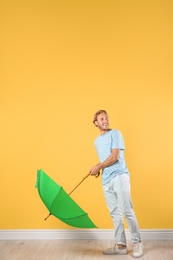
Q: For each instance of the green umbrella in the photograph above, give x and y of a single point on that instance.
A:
(60, 204)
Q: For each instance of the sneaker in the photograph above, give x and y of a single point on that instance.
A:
(137, 251)
(115, 251)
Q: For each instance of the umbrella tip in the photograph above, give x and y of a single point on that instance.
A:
(48, 216)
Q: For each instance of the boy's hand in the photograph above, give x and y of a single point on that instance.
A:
(95, 170)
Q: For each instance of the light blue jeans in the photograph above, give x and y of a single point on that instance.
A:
(118, 200)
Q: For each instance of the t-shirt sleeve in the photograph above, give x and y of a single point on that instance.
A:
(117, 140)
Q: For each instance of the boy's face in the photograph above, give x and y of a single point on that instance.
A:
(102, 122)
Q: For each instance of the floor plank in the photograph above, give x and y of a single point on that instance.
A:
(169, 247)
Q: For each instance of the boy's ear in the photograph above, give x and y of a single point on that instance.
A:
(96, 123)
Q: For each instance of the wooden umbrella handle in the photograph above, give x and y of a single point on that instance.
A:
(97, 175)
(80, 182)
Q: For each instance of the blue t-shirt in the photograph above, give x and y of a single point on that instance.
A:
(104, 145)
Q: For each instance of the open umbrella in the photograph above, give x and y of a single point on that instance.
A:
(60, 204)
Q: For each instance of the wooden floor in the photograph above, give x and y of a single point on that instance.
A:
(78, 250)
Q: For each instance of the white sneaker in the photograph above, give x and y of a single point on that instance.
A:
(115, 251)
(137, 251)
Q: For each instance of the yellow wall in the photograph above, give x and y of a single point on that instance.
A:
(61, 61)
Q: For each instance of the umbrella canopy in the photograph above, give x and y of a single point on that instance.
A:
(60, 204)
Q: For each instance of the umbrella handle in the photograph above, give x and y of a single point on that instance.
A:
(80, 182)
(97, 175)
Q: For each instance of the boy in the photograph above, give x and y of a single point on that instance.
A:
(116, 184)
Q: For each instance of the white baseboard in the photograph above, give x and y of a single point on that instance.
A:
(146, 234)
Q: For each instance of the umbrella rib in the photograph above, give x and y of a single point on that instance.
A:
(77, 216)
(52, 204)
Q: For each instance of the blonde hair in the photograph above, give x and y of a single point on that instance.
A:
(98, 113)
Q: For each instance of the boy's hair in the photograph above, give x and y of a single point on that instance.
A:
(98, 113)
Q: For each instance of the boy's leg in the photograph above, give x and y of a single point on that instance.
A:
(122, 187)
(115, 213)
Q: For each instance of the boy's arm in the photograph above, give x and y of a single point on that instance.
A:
(109, 161)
